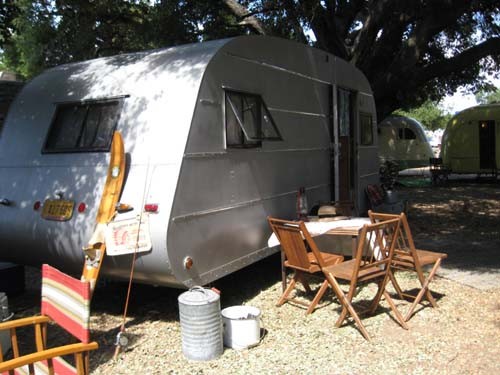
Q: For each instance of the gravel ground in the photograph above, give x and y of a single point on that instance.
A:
(462, 336)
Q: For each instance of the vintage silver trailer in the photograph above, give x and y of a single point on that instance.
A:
(218, 135)
(471, 141)
(402, 139)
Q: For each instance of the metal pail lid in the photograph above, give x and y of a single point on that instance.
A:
(198, 296)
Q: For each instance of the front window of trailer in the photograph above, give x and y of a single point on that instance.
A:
(83, 126)
(248, 121)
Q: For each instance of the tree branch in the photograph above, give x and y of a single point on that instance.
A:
(490, 47)
(294, 19)
(323, 26)
(366, 37)
(246, 17)
(402, 89)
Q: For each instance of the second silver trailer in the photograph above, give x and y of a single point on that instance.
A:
(218, 136)
(403, 140)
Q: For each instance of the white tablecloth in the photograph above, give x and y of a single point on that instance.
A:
(317, 228)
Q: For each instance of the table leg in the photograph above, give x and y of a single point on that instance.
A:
(354, 246)
(283, 272)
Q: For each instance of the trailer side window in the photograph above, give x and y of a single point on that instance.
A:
(86, 126)
(407, 133)
(248, 121)
(366, 129)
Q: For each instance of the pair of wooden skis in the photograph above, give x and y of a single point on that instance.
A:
(96, 248)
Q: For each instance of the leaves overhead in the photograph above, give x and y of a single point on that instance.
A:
(410, 51)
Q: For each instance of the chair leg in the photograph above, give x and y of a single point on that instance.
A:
(346, 306)
(424, 290)
(395, 310)
(378, 296)
(80, 363)
(287, 291)
(317, 297)
(428, 293)
(395, 284)
(283, 272)
(381, 291)
(302, 279)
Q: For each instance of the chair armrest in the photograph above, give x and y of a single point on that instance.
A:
(46, 354)
(32, 320)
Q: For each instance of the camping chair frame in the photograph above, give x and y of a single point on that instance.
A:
(408, 258)
(296, 241)
(65, 301)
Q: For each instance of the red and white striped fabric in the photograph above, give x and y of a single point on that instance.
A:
(66, 300)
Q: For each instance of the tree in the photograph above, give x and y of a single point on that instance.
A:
(488, 97)
(44, 33)
(429, 114)
(410, 51)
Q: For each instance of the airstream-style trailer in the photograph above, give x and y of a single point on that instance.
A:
(218, 136)
(402, 139)
(471, 141)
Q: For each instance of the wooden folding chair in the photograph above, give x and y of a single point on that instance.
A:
(65, 301)
(408, 258)
(303, 257)
(370, 265)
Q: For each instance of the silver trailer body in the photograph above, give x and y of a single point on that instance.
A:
(184, 114)
(403, 140)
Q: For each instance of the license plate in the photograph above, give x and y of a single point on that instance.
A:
(57, 209)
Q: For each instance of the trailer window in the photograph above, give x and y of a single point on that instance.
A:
(345, 111)
(79, 127)
(366, 129)
(407, 133)
(248, 121)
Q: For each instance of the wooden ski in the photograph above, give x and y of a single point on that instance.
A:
(96, 248)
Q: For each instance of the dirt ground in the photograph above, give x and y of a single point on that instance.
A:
(462, 336)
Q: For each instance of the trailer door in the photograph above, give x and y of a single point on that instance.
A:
(487, 158)
(346, 162)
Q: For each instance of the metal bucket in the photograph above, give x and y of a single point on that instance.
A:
(201, 324)
(241, 326)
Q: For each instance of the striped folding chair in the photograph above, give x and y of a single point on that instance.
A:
(66, 302)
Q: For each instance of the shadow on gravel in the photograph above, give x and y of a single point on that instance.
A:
(460, 219)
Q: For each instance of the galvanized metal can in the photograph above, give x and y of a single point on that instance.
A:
(5, 316)
(201, 324)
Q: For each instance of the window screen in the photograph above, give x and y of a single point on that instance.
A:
(248, 121)
(366, 129)
(78, 127)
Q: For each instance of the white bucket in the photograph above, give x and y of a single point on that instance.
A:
(241, 326)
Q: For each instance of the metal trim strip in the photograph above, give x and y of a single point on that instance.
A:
(240, 205)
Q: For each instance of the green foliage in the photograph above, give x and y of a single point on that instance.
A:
(488, 97)
(429, 114)
(44, 33)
